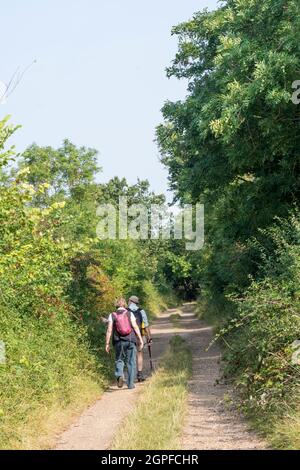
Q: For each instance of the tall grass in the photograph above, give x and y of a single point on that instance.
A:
(49, 368)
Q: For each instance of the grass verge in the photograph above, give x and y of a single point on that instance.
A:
(286, 433)
(50, 374)
(157, 421)
(175, 319)
(48, 419)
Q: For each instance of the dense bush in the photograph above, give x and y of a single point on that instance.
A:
(48, 363)
(266, 323)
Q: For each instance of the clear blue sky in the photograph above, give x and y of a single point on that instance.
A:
(99, 79)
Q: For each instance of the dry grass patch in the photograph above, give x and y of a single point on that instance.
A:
(40, 428)
(157, 421)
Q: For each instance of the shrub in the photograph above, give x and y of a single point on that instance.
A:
(265, 324)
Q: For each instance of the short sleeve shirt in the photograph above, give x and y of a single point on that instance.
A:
(110, 318)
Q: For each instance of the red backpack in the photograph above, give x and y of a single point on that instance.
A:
(122, 322)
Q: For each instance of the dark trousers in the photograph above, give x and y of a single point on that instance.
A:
(126, 353)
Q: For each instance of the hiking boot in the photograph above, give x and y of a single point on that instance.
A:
(120, 381)
(140, 377)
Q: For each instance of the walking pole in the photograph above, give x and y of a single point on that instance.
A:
(150, 357)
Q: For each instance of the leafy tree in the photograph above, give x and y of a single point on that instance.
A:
(233, 142)
(66, 170)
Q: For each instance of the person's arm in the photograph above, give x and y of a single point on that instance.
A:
(148, 333)
(137, 331)
(108, 336)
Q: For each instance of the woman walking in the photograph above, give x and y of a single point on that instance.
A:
(125, 333)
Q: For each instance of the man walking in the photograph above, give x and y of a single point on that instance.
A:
(123, 329)
(143, 324)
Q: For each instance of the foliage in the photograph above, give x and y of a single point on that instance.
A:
(267, 322)
(45, 359)
(58, 281)
(66, 170)
(44, 349)
(233, 144)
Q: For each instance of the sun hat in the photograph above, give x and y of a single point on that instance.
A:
(134, 299)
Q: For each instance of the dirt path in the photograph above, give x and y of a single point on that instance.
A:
(208, 424)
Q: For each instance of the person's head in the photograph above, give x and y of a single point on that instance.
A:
(121, 303)
(134, 299)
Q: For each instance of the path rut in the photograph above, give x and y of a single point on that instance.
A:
(210, 425)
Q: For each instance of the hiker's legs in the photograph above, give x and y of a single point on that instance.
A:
(140, 361)
(140, 364)
(131, 364)
(120, 356)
